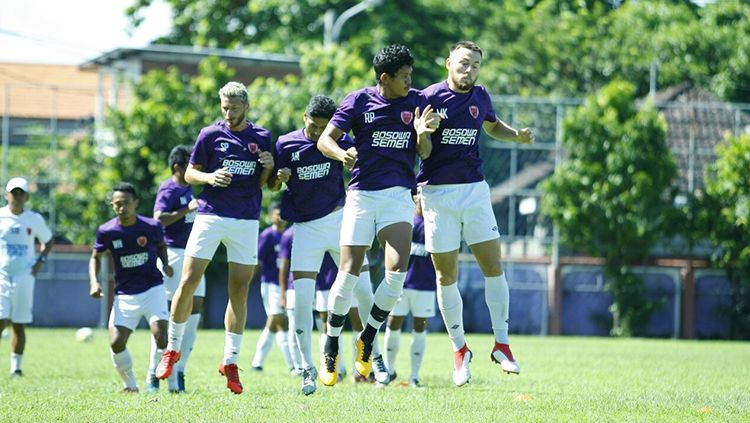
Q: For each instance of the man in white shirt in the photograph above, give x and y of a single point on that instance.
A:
(19, 228)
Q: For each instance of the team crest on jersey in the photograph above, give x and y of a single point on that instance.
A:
(252, 147)
(28, 231)
(142, 240)
(117, 244)
(474, 111)
(406, 117)
(223, 147)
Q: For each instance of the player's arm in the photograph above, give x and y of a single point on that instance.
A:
(95, 288)
(330, 148)
(161, 249)
(44, 251)
(167, 218)
(425, 123)
(266, 160)
(500, 130)
(283, 277)
(196, 176)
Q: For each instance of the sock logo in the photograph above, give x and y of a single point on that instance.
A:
(299, 331)
(454, 327)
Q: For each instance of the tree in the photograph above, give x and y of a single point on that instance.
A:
(611, 194)
(724, 216)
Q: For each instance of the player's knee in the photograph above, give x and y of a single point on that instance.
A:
(420, 325)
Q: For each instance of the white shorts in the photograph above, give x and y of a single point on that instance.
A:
(452, 212)
(419, 303)
(271, 294)
(312, 239)
(176, 258)
(367, 212)
(240, 236)
(127, 310)
(17, 298)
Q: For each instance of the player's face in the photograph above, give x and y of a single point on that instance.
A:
(314, 126)
(463, 68)
(17, 197)
(124, 205)
(234, 111)
(397, 85)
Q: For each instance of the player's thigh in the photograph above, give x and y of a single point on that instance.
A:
(241, 240)
(393, 206)
(22, 299)
(442, 219)
(396, 242)
(310, 245)
(477, 217)
(154, 304)
(421, 303)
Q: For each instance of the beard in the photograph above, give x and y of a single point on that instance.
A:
(464, 84)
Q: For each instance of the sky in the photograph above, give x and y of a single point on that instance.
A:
(73, 31)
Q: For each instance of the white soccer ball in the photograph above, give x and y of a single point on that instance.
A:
(84, 335)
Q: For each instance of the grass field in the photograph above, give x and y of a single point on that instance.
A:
(562, 379)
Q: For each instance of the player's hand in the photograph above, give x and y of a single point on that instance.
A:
(193, 205)
(168, 270)
(96, 290)
(426, 122)
(36, 268)
(266, 159)
(220, 178)
(525, 136)
(283, 174)
(350, 157)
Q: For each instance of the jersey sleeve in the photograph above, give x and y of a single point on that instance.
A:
(489, 115)
(199, 156)
(41, 230)
(162, 202)
(344, 116)
(285, 246)
(101, 243)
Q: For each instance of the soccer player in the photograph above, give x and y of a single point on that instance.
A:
(19, 227)
(456, 202)
(232, 160)
(134, 242)
(313, 200)
(389, 130)
(270, 291)
(175, 209)
(419, 299)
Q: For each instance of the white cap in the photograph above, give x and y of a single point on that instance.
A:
(17, 182)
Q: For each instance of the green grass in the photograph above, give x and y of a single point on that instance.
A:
(562, 379)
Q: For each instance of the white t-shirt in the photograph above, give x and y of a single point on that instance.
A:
(17, 234)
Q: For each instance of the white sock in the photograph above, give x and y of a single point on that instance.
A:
(392, 345)
(418, 346)
(15, 362)
(265, 342)
(340, 296)
(452, 308)
(387, 294)
(124, 365)
(282, 340)
(155, 357)
(175, 332)
(304, 292)
(292, 338)
(318, 323)
(365, 297)
(188, 340)
(232, 345)
(497, 296)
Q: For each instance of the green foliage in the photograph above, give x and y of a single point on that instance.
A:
(724, 217)
(611, 195)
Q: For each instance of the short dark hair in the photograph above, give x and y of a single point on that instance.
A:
(124, 187)
(471, 45)
(321, 106)
(179, 155)
(390, 59)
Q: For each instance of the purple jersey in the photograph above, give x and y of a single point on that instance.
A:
(134, 251)
(170, 198)
(285, 252)
(217, 147)
(316, 185)
(383, 135)
(327, 274)
(268, 255)
(421, 274)
(455, 144)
